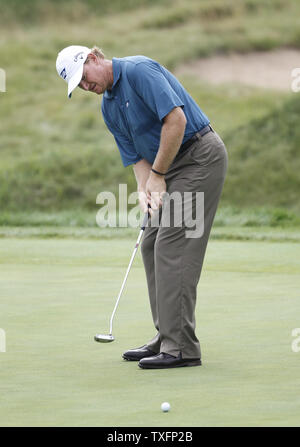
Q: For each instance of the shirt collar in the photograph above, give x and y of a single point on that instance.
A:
(109, 94)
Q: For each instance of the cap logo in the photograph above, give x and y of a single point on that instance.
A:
(63, 73)
(78, 55)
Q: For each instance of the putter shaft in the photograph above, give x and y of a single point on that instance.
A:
(128, 269)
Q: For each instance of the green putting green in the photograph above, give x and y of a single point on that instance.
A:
(56, 294)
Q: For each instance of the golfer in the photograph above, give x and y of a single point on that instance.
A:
(161, 131)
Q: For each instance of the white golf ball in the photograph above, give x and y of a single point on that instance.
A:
(165, 406)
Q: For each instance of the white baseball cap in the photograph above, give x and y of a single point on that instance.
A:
(69, 65)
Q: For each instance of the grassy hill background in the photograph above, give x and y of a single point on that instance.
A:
(57, 155)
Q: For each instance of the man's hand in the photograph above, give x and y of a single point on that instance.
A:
(143, 201)
(155, 190)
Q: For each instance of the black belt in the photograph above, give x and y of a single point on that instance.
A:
(194, 138)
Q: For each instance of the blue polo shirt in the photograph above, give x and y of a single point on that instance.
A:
(142, 94)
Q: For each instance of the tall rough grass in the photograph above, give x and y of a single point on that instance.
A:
(57, 154)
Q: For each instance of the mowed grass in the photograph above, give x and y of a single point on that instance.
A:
(56, 294)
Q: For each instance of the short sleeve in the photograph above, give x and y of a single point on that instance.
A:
(152, 86)
(126, 148)
(128, 153)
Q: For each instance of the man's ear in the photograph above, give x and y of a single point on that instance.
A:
(91, 57)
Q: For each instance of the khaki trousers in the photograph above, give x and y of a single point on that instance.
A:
(173, 261)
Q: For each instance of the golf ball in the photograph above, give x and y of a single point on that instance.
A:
(165, 406)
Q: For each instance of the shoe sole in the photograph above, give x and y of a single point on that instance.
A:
(186, 364)
(130, 359)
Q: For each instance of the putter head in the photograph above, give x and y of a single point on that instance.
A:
(100, 338)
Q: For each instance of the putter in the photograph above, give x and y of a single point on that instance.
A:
(101, 338)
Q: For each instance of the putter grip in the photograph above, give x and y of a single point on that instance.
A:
(147, 215)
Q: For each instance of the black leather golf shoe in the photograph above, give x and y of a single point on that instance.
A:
(138, 353)
(163, 360)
